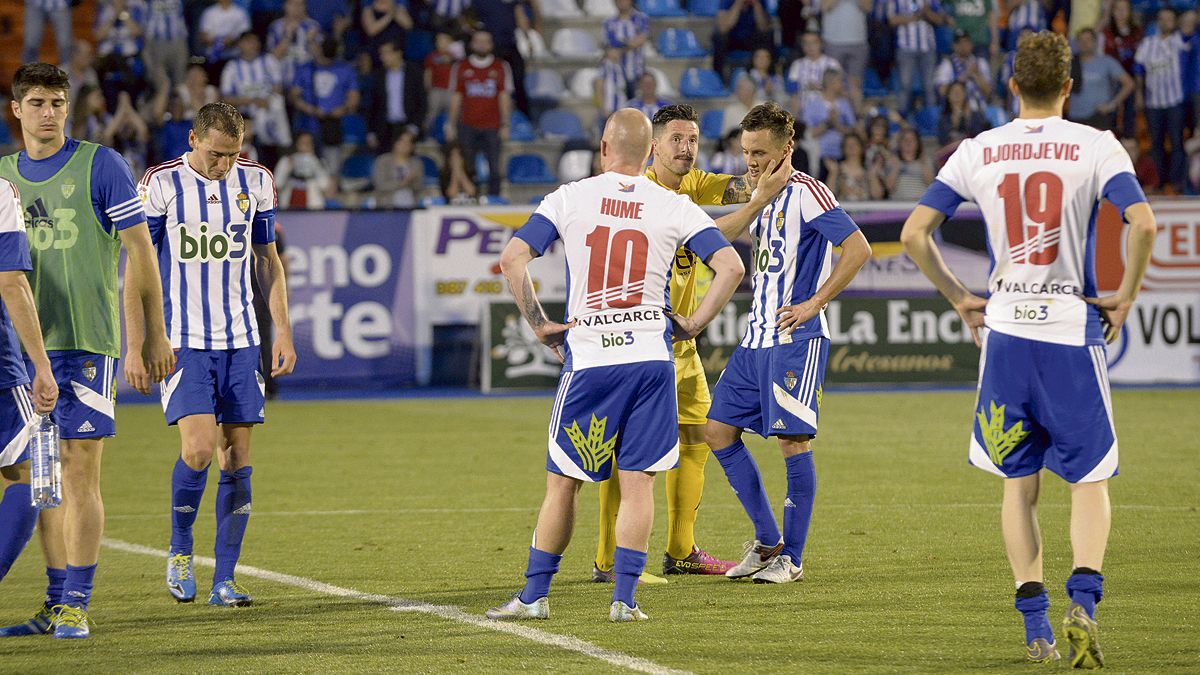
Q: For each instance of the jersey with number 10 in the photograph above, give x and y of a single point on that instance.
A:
(204, 230)
(620, 235)
(1038, 184)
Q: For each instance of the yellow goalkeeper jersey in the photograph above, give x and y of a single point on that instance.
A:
(704, 189)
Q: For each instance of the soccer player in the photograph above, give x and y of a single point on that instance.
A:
(1043, 381)
(211, 214)
(81, 207)
(620, 232)
(673, 151)
(773, 381)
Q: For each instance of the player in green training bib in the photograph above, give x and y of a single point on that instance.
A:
(81, 206)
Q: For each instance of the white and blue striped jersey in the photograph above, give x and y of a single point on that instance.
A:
(1157, 59)
(450, 9)
(1038, 184)
(300, 43)
(50, 4)
(618, 32)
(14, 257)
(793, 240)
(612, 86)
(165, 22)
(204, 231)
(1029, 14)
(251, 79)
(916, 36)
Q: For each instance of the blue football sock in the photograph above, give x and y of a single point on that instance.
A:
(187, 489)
(1032, 602)
(628, 564)
(55, 580)
(17, 518)
(798, 507)
(1086, 588)
(742, 472)
(233, 514)
(77, 590)
(538, 574)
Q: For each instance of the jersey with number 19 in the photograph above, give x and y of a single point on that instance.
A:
(620, 234)
(1043, 386)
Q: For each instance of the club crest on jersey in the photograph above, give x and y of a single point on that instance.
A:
(89, 370)
(626, 187)
(789, 380)
(68, 188)
(243, 202)
(779, 221)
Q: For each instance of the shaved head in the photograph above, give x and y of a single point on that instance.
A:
(626, 140)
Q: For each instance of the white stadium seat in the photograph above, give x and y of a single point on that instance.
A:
(574, 43)
(575, 165)
(582, 83)
(561, 9)
(600, 9)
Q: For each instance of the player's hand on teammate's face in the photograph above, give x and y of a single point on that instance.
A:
(790, 316)
(159, 359)
(135, 372)
(283, 356)
(553, 335)
(971, 309)
(775, 177)
(45, 391)
(1113, 312)
(683, 327)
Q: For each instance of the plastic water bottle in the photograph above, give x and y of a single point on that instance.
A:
(45, 465)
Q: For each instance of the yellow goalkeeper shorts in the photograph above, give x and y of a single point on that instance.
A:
(692, 389)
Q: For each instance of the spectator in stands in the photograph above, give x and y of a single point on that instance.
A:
(1101, 85)
(166, 50)
(883, 39)
(195, 91)
(769, 85)
(796, 17)
(911, 174)
(481, 106)
(1160, 92)
(962, 65)
(388, 108)
(249, 147)
(1026, 14)
(628, 32)
(848, 177)
(647, 99)
(254, 83)
(37, 13)
(844, 32)
(301, 179)
(916, 48)
(438, 65)
(457, 179)
(530, 43)
(743, 100)
(81, 71)
(119, 30)
(879, 155)
(979, 19)
(1006, 73)
(384, 21)
(800, 158)
(124, 130)
(829, 116)
(609, 87)
(729, 159)
(1121, 39)
(499, 18)
(959, 119)
(291, 38)
(170, 137)
(334, 17)
(323, 92)
(1190, 65)
(398, 176)
(221, 25)
(1143, 166)
(807, 73)
(742, 25)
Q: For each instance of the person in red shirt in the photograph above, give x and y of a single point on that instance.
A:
(438, 65)
(1121, 38)
(481, 104)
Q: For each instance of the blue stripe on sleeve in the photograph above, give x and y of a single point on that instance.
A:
(942, 198)
(706, 242)
(1123, 191)
(14, 252)
(112, 186)
(538, 232)
(263, 231)
(835, 225)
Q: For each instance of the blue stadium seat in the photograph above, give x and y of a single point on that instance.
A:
(872, 85)
(438, 129)
(354, 130)
(482, 171)
(704, 7)
(702, 83)
(662, 8)
(357, 166)
(493, 200)
(431, 170)
(433, 200)
(545, 84)
(561, 125)
(526, 169)
(927, 120)
(521, 129)
(680, 43)
(711, 124)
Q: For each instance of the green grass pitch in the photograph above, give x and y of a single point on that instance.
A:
(435, 500)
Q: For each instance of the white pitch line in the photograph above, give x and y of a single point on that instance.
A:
(448, 612)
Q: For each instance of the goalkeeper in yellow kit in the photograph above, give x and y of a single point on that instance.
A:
(673, 153)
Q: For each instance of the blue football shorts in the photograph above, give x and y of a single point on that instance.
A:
(17, 424)
(624, 413)
(773, 391)
(1046, 405)
(87, 393)
(226, 383)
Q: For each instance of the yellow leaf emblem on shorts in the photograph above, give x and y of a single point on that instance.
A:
(592, 449)
(1000, 442)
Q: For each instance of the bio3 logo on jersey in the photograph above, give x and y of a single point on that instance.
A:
(609, 340)
(768, 258)
(201, 245)
(50, 230)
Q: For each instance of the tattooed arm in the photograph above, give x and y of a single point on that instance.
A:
(773, 180)
(514, 263)
(738, 190)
